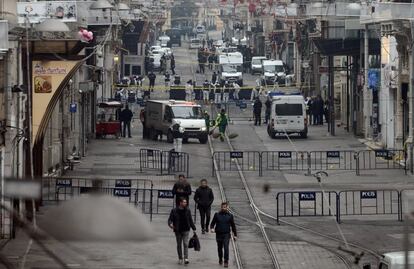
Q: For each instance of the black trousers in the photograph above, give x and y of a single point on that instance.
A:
(127, 125)
(223, 241)
(257, 119)
(267, 117)
(205, 214)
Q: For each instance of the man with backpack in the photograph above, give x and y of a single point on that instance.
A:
(180, 221)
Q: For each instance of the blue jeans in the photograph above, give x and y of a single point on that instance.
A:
(182, 239)
(223, 241)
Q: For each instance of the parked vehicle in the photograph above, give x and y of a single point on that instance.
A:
(273, 72)
(195, 43)
(175, 36)
(156, 47)
(167, 51)
(288, 115)
(218, 43)
(164, 40)
(239, 41)
(394, 260)
(256, 65)
(162, 115)
(155, 60)
(200, 29)
(231, 67)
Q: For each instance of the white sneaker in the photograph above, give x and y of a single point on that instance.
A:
(186, 261)
(180, 261)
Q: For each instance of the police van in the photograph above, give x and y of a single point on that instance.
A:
(161, 115)
(288, 116)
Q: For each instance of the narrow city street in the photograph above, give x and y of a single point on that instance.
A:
(117, 117)
(294, 248)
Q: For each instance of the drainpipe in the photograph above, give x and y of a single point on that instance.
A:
(367, 95)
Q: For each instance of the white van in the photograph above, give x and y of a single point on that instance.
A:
(394, 260)
(231, 68)
(161, 115)
(164, 41)
(256, 64)
(288, 115)
(195, 43)
(273, 72)
(200, 29)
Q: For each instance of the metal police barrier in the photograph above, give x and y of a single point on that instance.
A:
(410, 156)
(284, 160)
(177, 162)
(382, 159)
(368, 202)
(306, 204)
(406, 202)
(333, 160)
(159, 202)
(51, 185)
(166, 162)
(65, 193)
(151, 159)
(229, 161)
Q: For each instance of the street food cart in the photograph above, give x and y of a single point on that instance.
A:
(107, 122)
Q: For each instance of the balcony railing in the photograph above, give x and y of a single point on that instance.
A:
(337, 9)
(389, 11)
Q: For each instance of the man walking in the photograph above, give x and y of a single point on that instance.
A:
(221, 123)
(177, 133)
(180, 221)
(257, 111)
(151, 77)
(204, 197)
(206, 91)
(189, 90)
(222, 225)
(214, 78)
(236, 92)
(217, 93)
(181, 189)
(126, 117)
(226, 92)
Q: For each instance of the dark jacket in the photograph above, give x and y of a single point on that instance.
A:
(174, 219)
(257, 107)
(152, 77)
(176, 131)
(268, 105)
(204, 196)
(223, 221)
(186, 190)
(214, 78)
(126, 115)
